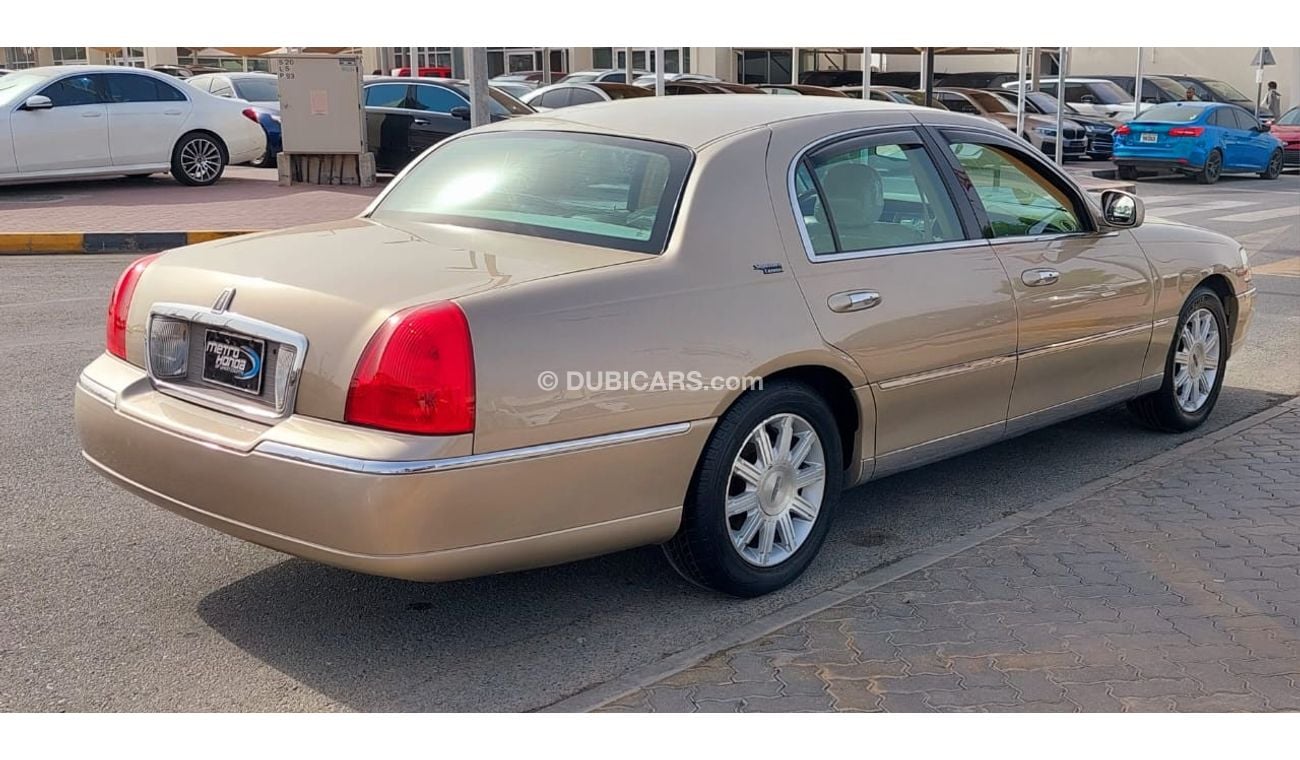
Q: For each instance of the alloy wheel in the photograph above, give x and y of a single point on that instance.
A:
(1196, 360)
(200, 159)
(1212, 167)
(778, 480)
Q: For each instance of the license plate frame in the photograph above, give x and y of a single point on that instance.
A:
(226, 356)
(1149, 137)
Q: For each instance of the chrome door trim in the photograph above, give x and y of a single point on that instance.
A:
(327, 460)
(950, 245)
(944, 372)
(1079, 406)
(937, 449)
(1066, 345)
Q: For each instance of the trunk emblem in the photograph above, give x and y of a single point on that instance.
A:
(223, 301)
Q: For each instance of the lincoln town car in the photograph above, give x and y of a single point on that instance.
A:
(389, 393)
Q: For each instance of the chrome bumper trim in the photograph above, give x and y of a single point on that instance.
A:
(390, 467)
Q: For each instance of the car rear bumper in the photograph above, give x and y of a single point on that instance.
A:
(1291, 157)
(1156, 164)
(431, 519)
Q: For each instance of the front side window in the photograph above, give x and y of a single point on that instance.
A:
(595, 189)
(1018, 200)
(1243, 120)
(437, 99)
(82, 90)
(957, 103)
(871, 193)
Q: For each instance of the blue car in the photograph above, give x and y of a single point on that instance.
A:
(261, 91)
(1196, 138)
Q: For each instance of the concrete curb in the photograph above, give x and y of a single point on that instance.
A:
(32, 243)
(602, 694)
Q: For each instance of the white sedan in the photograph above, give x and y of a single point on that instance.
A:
(72, 122)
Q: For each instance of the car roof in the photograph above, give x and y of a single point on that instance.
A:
(697, 120)
(54, 71)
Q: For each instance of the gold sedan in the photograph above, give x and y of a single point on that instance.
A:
(686, 321)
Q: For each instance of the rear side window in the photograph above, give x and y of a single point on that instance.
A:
(594, 189)
(134, 88)
(80, 90)
(389, 96)
(579, 96)
(956, 103)
(558, 98)
(870, 193)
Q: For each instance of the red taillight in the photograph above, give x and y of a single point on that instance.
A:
(120, 305)
(416, 374)
(250, 114)
(1186, 131)
(1122, 129)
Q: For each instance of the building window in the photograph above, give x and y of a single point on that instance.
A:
(69, 56)
(127, 57)
(764, 66)
(19, 58)
(602, 58)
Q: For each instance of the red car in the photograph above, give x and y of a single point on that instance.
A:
(1287, 129)
(443, 72)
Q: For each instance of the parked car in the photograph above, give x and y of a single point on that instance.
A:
(833, 77)
(1287, 129)
(980, 80)
(433, 72)
(515, 88)
(1101, 132)
(705, 88)
(1040, 131)
(1089, 96)
(887, 94)
(366, 392)
(580, 93)
(262, 92)
(1155, 89)
(5, 71)
(602, 75)
(1215, 90)
(405, 116)
(535, 77)
(1199, 139)
(648, 80)
(801, 89)
(71, 122)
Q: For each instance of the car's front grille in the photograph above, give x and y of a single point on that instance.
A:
(1100, 142)
(175, 346)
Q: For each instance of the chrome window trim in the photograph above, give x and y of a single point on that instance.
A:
(327, 460)
(848, 134)
(237, 323)
(943, 372)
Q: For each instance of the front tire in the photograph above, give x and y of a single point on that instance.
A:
(198, 159)
(1193, 368)
(1213, 169)
(1274, 168)
(763, 494)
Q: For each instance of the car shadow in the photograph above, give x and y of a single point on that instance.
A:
(522, 640)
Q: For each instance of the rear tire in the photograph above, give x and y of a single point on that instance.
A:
(1274, 168)
(1126, 172)
(780, 511)
(264, 161)
(1213, 169)
(199, 159)
(1186, 396)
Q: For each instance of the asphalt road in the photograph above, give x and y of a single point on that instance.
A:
(108, 603)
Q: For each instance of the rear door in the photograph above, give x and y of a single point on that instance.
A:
(1084, 295)
(896, 277)
(71, 135)
(145, 118)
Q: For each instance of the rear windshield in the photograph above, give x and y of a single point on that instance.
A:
(1178, 113)
(595, 189)
(1290, 118)
(258, 90)
(1224, 90)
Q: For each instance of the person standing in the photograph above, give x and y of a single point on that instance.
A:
(1271, 105)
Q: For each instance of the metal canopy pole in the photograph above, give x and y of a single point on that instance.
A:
(627, 65)
(1060, 108)
(415, 64)
(1020, 107)
(546, 66)
(866, 71)
(794, 65)
(659, 71)
(927, 73)
(476, 63)
(1137, 86)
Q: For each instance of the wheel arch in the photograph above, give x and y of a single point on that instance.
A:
(1223, 289)
(225, 149)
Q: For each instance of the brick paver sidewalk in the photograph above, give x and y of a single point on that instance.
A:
(1178, 589)
(243, 199)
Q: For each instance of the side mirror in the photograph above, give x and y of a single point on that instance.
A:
(1121, 209)
(460, 112)
(1264, 127)
(1087, 99)
(37, 103)
(1150, 99)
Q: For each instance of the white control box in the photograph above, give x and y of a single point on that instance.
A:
(321, 107)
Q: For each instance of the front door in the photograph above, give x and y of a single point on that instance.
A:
(898, 280)
(71, 135)
(145, 118)
(1084, 296)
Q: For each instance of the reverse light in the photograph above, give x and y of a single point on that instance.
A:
(416, 375)
(120, 304)
(1186, 131)
(250, 114)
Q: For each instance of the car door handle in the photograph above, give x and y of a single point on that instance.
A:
(172, 113)
(422, 122)
(1037, 277)
(91, 114)
(853, 300)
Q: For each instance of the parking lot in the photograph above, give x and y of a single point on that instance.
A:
(113, 604)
